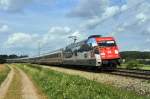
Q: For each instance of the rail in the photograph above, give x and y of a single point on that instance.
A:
(141, 74)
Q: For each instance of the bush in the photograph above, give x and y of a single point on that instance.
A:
(145, 62)
(4, 73)
(2, 61)
(133, 64)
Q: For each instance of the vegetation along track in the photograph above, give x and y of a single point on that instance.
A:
(140, 86)
(142, 74)
(59, 83)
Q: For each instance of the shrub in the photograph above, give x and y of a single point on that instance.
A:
(2, 61)
(4, 73)
(133, 64)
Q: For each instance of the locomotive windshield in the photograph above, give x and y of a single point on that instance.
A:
(107, 43)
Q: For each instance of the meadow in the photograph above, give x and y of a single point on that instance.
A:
(58, 85)
(4, 70)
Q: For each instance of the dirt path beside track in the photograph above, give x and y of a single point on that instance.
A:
(5, 85)
(18, 86)
(29, 91)
(138, 85)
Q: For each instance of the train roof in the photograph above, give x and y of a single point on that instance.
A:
(45, 54)
(94, 36)
(98, 37)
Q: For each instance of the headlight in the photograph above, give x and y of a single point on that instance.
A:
(102, 53)
(116, 52)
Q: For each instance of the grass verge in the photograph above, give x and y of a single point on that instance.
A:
(14, 90)
(3, 73)
(62, 86)
(143, 67)
(146, 67)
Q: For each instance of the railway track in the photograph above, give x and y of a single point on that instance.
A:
(141, 74)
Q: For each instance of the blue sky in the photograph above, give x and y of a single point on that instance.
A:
(26, 23)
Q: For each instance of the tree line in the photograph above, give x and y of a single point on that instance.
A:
(135, 55)
(138, 56)
(13, 56)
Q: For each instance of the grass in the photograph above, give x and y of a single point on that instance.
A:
(143, 67)
(146, 67)
(4, 70)
(14, 91)
(62, 86)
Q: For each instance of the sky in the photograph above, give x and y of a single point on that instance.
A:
(27, 24)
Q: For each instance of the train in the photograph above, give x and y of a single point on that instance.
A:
(96, 51)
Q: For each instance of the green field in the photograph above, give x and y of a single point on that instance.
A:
(58, 85)
(134, 65)
(4, 70)
(141, 66)
(146, 67)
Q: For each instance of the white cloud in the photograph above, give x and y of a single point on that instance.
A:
(56, 37)
(110, 11)
(13, 5)
(105, 11)
(4, 28)
(135, 20)
(54, 33)
(147, 50)
(124, 7)
(141, 17)
(19, 5)
(93, 22)
(118, 30)
(19, 37)
(148, 29)
(135, 48)
(148, 40)
(59, 30)
(21, 40)
(132, 3)
(96, 11)
(89, 8)
(145, 33)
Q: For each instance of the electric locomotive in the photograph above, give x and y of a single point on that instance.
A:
(96, 51)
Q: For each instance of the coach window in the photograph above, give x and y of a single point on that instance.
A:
(75, 53)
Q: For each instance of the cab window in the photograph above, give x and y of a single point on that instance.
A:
(107, 43)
